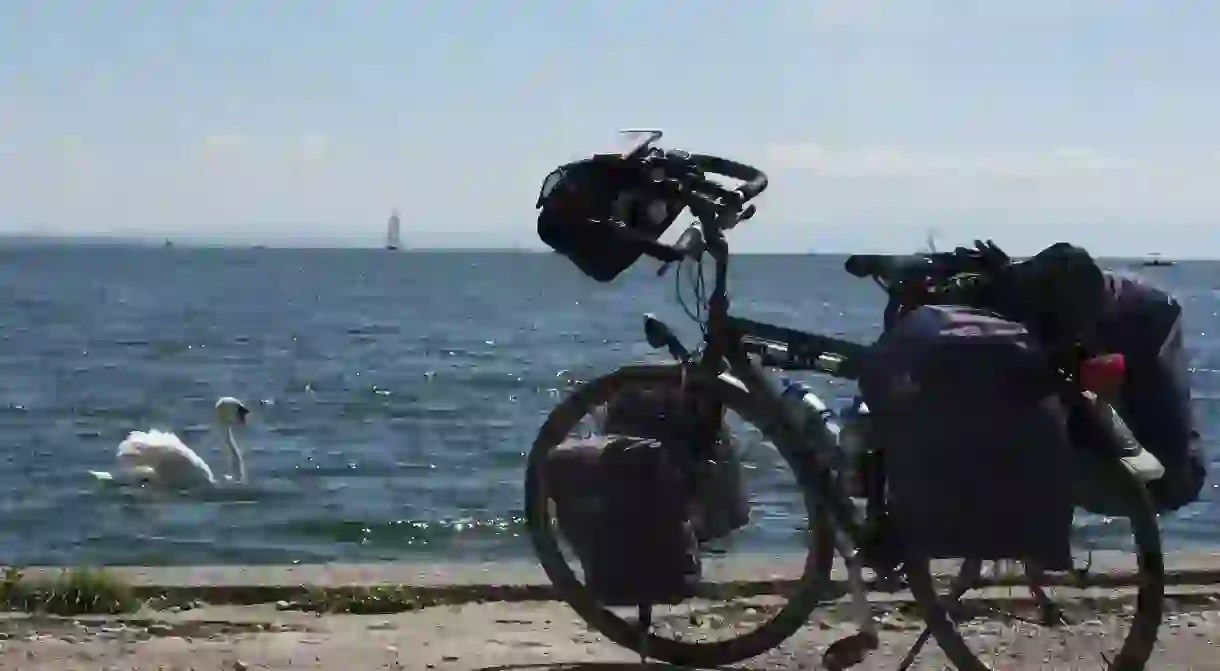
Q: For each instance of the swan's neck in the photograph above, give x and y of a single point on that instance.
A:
(237, 465)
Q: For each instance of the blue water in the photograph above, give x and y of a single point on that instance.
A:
(394, 395)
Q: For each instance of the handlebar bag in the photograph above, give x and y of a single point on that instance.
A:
(621, 504)
(1144, 324)
(978, 457)
(585, 205)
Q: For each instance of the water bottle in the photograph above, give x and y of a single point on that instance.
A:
(812, 414)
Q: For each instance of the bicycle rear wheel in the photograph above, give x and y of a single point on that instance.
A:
(942, 614)
(565, 417)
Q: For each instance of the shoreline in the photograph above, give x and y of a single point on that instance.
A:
(497, 616)
(539, 636)
(523, 580)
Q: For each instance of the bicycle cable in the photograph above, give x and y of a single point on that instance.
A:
(698, 284)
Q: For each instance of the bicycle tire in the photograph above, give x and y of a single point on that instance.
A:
(558, 426)
(1149, 610)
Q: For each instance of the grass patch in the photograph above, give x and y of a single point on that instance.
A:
(378, 600)
(75, 591)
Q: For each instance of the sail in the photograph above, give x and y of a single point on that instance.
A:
(393, 238)
(930, 242)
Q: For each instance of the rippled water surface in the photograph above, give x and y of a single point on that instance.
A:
(394, 394)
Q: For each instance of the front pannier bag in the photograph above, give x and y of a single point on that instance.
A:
(718, 504)
(583, 203)
(621, 502)
(978, 458)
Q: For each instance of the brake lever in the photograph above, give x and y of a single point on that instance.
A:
(691, 245)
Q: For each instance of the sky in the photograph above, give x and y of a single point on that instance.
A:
(305, 122)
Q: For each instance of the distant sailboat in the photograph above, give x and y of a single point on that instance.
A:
(930, 242)
(393, 234)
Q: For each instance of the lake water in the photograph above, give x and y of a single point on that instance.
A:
(394, 395)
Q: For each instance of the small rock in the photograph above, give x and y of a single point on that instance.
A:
(282, 605)
(239, 665)
(890, 623)
(450, 658)
(159, 629)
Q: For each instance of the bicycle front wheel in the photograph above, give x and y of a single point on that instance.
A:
(802, 600)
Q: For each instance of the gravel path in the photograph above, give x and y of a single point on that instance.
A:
(499, 636)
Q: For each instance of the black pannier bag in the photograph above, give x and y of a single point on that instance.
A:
(977, 453)
(583, 202)
(621, 502)
(1144, 324)
(718, 504)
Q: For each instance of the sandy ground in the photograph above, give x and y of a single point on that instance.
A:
(500, 636)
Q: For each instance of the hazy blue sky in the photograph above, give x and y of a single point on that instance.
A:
(1094, 121)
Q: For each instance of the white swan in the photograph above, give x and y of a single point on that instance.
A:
(160, 457)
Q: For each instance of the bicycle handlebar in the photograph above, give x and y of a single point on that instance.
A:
(683, 174)
(755, 180)
(984, 258)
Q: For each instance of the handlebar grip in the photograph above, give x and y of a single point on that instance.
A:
(661, 251)
(657, 250)
(881, 266)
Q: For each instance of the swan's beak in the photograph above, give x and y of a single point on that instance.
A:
(242, 413)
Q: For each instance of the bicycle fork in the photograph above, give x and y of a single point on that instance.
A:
(849, 537)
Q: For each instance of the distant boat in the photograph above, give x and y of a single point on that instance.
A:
(393, 234)
(168, 244)
(930, 242)
(1155, 261)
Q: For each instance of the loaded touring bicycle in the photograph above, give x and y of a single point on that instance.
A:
(929, 479)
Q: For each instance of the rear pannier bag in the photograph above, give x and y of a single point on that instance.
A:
(1144, 324)
(583, 203)
(621, 502)
(977, 454)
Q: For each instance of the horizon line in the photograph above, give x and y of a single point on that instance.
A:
(18, 240)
